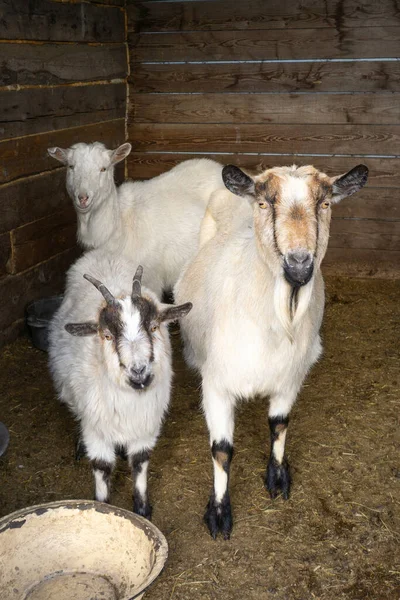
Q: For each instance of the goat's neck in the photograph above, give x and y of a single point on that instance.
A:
(101, 224)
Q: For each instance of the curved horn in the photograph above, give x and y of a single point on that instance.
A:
(109, 298)
(137, 282)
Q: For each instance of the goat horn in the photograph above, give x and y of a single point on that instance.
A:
(137, 282)
(102, 289)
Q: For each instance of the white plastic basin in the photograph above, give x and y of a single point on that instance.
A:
(78, 549)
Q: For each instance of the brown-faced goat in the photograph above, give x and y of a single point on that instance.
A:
(110, 358)
(258, 298)
(154, 222)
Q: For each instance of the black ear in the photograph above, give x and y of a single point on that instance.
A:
(120, 153)
(81, 329)
(172, 313)
(349, 183)
(237, 182)
(59, 154)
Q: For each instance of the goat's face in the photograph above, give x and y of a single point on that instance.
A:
(292, 212)
(131, 330)
(90, 172)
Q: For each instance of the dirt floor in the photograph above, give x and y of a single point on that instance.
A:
(338, 537)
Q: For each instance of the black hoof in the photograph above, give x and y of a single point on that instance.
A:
(142, 508)
(218, 517)
(277, 479)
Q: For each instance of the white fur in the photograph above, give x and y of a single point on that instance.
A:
(87, 373)
(156, 221)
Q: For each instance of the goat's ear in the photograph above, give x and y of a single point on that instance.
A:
(81, 329)
(349, 183)
(172, 313)
(237, 182)
(59, 154)
(120, 153)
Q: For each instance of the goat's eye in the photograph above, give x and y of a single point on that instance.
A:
(71, 166)
(154, 328)
(103, 169)
(325, 204)
(263, 204)
(108, 336)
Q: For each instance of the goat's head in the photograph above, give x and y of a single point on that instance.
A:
(292, 212)
(131, 331)
(90, 172)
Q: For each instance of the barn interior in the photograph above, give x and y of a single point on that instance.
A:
(264, 83)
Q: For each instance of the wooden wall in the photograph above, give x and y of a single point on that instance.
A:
(62, 81)
(270, 82)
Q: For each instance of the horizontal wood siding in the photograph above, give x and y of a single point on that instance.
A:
(261, 84)
(63, 80)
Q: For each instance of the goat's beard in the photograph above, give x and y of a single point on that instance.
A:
(291, 303)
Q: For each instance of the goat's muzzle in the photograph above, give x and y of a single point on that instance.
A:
(140, 379)
(298, 267)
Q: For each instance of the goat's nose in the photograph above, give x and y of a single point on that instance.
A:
(301, 259)
(83, 199)
(298, 267)
(138, 371)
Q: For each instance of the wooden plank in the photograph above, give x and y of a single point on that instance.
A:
(361, 263)
(110, 2)
(365, 234)
(32, 198)
(43, 280)
(373, 109)
(259, 14)
(28, 155)
(38, 241)
(266, 77)
(278, 44)
(5, 252)
(29, 111)
(48, 64)
(282, 139)
(384, 172)
(50, 21)
(371, 203)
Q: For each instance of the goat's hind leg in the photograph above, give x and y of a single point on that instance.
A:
(219, 411)
(277, 478)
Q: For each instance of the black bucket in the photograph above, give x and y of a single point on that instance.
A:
(38, 316)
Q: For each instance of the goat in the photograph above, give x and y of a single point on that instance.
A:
(258, 298)
(110, 359)
(155, 221)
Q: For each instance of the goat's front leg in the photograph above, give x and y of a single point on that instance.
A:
(219, 411)
(102, 458)
(277, 477)
(139, 461)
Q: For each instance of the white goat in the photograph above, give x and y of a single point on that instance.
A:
(156, 222)
(258, 298)
(110, 359)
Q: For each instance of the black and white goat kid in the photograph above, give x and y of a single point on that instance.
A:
(110, 358)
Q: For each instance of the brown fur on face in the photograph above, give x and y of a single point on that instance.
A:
(294, 195)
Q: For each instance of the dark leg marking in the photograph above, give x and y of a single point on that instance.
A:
(277, 478)
(141, 505)
(80, 450)
(106, 469)
(218, 515)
